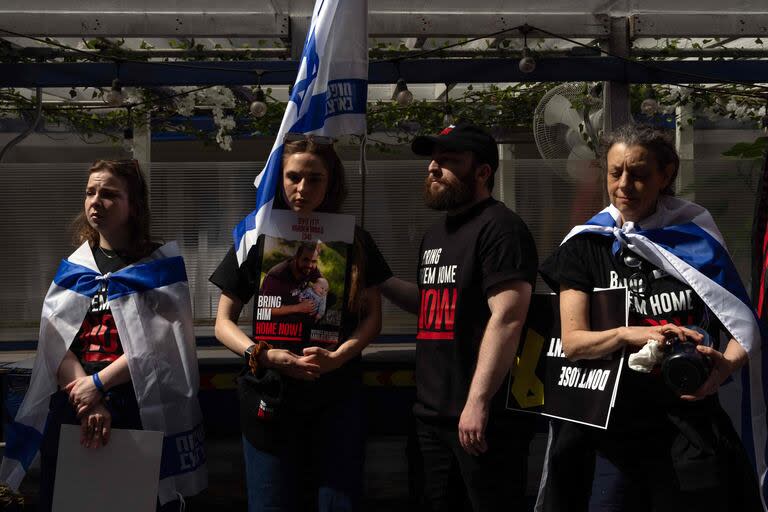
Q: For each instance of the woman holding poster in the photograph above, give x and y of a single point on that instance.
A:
(116, 346)
(304, 446)
(669, 444)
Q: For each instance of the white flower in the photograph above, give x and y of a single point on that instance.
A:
(185, 104)
(224, 141)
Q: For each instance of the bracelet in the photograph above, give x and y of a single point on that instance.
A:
(97, 382)
(253, 361)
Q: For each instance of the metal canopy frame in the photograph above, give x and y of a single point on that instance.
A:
(425, 71)
(145, 24)
(495, 62)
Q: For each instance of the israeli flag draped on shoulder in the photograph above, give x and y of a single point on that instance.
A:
(329, 98)
(682, 239)
(151, 306)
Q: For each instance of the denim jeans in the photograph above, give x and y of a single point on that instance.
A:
(634, 471)
(319, 468)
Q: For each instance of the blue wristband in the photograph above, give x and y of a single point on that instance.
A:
(97, 382)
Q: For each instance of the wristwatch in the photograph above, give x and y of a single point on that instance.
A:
(248, 352)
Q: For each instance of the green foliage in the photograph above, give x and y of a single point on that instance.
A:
(499, 108)
(749, 150)
(333, 266)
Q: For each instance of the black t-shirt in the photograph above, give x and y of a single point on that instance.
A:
(97, 343)
(243, 281)
(462, 257)
(586, 262)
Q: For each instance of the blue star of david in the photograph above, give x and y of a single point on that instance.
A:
(313, 64)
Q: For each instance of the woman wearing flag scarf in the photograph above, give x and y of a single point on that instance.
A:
(304, 450)
(116, 345)
(663, 450)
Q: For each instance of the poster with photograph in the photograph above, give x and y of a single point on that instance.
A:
(543, 381)
(304, 282)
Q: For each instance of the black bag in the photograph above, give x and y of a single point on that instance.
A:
(260, 397)
(261, 394)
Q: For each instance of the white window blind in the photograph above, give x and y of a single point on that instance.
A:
(199, 203)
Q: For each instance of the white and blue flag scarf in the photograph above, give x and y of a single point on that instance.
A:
(682, 239)
(150, 304)
(329, 98)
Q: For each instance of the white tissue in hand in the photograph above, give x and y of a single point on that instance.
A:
(647, 357)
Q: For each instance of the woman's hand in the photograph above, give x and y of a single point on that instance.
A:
(723, 365)
(638, 336)
(326, 360)
(83, 394)
(95, 427)
(306, 306)
(288, 363)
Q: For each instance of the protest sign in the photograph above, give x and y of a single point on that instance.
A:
(544, 381)
(304, 282)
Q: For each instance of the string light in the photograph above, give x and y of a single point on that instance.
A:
(403, 96)
(115, 96)
(527, 63)
(448, 110)
(128, 140)
(259, 107)
(448, 117)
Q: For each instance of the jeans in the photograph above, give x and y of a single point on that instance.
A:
(319, 468)
(494, 480)
(634, 471)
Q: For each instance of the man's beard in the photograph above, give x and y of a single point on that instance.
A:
(453, 196)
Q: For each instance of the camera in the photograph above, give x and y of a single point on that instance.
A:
(684, 368)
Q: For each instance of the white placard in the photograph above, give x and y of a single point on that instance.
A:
(119, 477)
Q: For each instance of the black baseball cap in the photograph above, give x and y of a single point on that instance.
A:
(460, 137)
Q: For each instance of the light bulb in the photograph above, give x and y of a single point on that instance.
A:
(115, 96)
(128, 140)
(448, 116)
(259, 106)
(404, 96)
(527, 64)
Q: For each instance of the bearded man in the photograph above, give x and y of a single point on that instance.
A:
(476, 271)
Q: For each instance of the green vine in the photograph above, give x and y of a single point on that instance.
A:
(501, 108)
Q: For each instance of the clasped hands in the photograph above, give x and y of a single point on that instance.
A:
(95, 418)
(313, 362)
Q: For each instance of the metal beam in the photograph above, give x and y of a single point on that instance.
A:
(468, 24)
(427, 71)
(734, 53)
(299, 26)
(616, 99)
(145, 24)
(743, 24)
(50, 53)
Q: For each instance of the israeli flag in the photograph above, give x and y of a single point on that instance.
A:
(150, 303)
(682, 239)
(329, 98)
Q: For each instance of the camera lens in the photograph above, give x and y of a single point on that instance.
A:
(685, 370)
